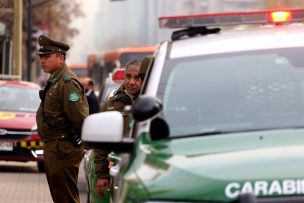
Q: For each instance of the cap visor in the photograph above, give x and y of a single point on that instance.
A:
(45, 52)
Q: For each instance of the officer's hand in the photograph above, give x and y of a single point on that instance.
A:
(101, 186)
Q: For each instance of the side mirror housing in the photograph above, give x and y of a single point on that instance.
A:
(105, 130)
(145, 107)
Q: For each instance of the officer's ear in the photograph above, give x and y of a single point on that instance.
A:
(61, 56)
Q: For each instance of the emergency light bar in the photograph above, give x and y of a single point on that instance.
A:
(119, 74)
(228, 19)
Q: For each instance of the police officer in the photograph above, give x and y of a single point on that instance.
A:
(125, 95)
(59, 118)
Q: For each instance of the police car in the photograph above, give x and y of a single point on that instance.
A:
(19, 139)
(221, 115)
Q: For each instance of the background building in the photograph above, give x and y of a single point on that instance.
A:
(135, 22)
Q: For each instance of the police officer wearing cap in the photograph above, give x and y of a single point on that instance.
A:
(59, 118)
(125, 95)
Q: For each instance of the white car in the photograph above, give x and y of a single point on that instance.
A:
(221, 115)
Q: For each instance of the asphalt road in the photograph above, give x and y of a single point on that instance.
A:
(21, 182)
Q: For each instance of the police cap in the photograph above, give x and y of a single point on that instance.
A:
(49, 46)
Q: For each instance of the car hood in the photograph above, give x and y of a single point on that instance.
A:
(220, 168)
(17, 120)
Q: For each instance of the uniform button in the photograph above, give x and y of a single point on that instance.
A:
(62, 136)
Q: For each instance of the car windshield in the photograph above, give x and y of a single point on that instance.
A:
(233, 92)
(19, 99)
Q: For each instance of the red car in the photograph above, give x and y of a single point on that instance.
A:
(19, 140)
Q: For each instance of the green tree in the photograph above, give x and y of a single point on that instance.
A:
(55, 17)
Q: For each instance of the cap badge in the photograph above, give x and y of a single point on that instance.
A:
(73, 97)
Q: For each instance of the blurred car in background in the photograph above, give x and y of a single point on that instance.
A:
(79, 69)
(19, 140)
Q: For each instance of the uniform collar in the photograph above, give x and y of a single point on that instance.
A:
(57, 74)
(133, 97)
(130, 95)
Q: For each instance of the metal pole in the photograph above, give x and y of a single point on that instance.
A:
(17, 39)
(29, 40)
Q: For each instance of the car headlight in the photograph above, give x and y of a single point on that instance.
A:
(34, 128)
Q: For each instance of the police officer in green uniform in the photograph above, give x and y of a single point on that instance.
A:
(59, 118)
(125, 95)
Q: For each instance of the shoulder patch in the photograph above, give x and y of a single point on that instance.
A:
(73, 96)
(66, 78)
(131, 123)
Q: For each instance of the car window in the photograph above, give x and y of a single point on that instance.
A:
(231, 92)
(19, 99)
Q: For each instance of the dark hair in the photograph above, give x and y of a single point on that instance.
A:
(90, 82)
(58, 53)
(133, 64)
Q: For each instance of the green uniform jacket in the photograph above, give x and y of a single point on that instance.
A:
(116, 103)
(65, 105)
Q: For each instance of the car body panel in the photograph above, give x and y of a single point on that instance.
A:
(19, 140)
(216, 170)
(91, 179)
(17, 120)
(249, 39)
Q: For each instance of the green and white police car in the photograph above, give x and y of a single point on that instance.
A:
(220, 117)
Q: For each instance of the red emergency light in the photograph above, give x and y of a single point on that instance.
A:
(232, 19)
(280, 16)
(119, 74)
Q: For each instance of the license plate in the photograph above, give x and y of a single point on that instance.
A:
(6, 146)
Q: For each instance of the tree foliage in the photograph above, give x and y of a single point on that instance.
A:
(55, 17)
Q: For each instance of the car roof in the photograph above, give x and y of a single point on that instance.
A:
(19, 83)
(257, 38)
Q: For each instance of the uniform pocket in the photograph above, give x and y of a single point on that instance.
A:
(63, 148)
(52, 101)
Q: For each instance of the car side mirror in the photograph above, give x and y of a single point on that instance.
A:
(94, 124)
(145, 107)
(105, 131)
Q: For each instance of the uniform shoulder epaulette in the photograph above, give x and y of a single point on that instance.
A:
(54, 80)
(66, 78)
(117, 95)
(122, 96)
